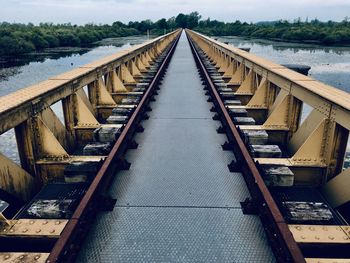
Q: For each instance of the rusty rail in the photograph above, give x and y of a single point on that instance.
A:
(285, 247)
(62, 251)
(87, 95)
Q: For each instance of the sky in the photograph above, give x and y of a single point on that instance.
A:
(108, 11)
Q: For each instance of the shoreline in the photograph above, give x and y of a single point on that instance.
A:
(280, 40)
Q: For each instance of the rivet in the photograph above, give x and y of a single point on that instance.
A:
(52, 231)
(38, 231)
(57, 222)
(31, 222)
(302, 237)
(21, 257)
(298, 227)
(25, 230)
(331, 237)
(312, 228)
(45, 222)
(11, 230)
(317, 238)
(37, 257)
(7, 257)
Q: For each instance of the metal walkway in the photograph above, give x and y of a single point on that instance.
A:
(178, 202)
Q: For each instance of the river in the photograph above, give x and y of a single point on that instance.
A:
(328, 64)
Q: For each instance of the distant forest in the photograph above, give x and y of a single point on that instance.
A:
(23, 38)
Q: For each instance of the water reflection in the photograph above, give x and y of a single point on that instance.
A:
(282, 46)
(20, 72)
(16, 73)
(328, 64)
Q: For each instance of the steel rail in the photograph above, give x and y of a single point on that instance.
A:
(280, 237)
(67, 246)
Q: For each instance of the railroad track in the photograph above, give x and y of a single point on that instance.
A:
(262, 202)
(294, 196)
(293, 240)
(59, 240)
(113, 162)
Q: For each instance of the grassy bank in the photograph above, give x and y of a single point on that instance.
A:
(20, 38)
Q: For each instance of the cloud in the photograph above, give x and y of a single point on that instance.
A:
(107, 11)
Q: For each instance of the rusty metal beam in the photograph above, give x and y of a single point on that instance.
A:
(316, 94)
(63, 250)
(21, 105)
(282, 240)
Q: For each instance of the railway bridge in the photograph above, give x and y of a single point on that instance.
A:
(181, 149)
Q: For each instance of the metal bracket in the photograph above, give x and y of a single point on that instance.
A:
(12, 257)
(235, 166)
(249, 207)
(320, 234)
(133, 145)
(140, 128)
(221, 130)
(123, 164)
(106, 203)
(216, 117)
(48, 228)
(227, 146)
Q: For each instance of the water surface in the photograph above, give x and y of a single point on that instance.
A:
(328, 64)
(17, 73)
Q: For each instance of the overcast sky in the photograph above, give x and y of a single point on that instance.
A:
(107, 11)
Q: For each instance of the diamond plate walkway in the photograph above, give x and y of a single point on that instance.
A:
(178, 202)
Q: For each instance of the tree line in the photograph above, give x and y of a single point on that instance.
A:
(18, 38)
(315, 31)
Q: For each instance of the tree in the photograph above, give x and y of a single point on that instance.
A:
(192, 20)
(181, 20)
(162, 24)
(171, 23)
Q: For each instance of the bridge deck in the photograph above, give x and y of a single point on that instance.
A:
(178, 201)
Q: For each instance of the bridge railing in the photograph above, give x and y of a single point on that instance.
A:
(87, 94)
(275, 96)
